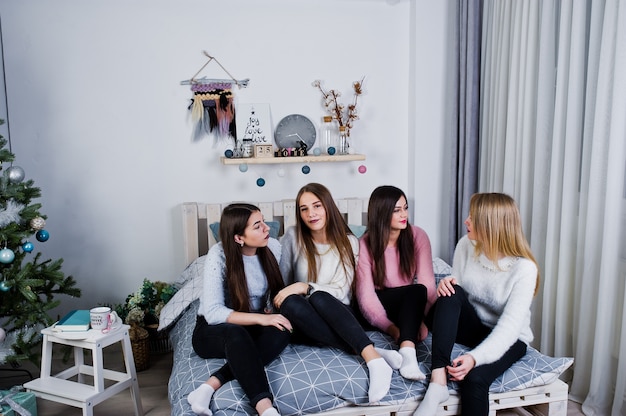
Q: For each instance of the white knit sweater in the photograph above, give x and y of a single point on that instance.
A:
(502, 297)
(332, 276)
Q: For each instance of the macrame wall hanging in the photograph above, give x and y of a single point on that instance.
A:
(212, 106)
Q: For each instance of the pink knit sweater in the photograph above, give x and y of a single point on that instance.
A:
(370, 306)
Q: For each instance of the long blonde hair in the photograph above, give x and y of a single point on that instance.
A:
(498, 226)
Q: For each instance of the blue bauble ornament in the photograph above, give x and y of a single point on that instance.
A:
(228, 153)
(260, 182)
(42, 235)
(3, 286)
(317, 151)
(28, 246)
(306, 169)
(331, 150)
(243, 167)
(6, 255)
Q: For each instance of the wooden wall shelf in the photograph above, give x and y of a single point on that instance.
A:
(292, 159)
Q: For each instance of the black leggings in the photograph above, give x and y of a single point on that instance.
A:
(405, 308)
(322, 320)
(456, 320)
(247, 350)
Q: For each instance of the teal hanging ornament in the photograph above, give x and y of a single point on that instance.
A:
(42, 235)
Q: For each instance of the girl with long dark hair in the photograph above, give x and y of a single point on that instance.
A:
(236, 320)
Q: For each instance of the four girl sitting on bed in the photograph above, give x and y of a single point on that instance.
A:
(248, 313)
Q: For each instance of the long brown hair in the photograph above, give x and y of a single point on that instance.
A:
(379, 212)
(233, 222)
(498, 226)
(337, 231)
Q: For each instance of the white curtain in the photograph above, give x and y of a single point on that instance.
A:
(553, 135)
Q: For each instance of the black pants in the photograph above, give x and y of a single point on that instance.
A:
(405, 308)
(456, 320)
(322, 320)
(247, 350)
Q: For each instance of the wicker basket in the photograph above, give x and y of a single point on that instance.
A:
(140, 342)
(159, 340)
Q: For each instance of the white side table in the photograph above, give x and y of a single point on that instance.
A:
(60, 389)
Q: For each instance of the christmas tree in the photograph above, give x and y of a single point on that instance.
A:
(28, 284)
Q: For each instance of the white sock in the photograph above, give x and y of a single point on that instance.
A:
(435, 395)
(393, 357)
(200, 398)
(410, 368)
(271, 411)
(380, 379)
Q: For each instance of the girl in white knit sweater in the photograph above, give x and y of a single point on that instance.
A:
(484, 305)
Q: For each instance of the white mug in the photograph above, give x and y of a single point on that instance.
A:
(104, 319)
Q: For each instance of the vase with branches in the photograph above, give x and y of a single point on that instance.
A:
(345, 115)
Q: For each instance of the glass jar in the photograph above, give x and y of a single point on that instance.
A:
(247, 149)
(329, 135)
(344, 141)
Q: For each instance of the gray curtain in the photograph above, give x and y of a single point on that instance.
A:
(465, 143)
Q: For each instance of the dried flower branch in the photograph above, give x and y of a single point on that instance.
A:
(337, 110)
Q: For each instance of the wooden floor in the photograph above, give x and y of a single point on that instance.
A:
(152, 385)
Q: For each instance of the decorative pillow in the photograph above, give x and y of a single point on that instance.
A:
(441, 269)
(532, 370)
(357, 230)
(191, 281)
(274, 229)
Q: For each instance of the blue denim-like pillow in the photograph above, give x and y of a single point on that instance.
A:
(274, 229)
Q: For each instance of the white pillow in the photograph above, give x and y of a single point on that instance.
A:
(191, 280)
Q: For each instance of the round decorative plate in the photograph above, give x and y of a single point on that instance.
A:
(295, 128)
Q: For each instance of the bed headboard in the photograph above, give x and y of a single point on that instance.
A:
(197, 216)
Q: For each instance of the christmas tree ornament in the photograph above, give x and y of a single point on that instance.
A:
(229, 153)
(4, 286)
(37, 223)
(306, 169)
(16, 174)
(42, 235)
(331, 150)
(28, 246)
(6, 255)
(362, 169)
(260, 182)
(243, 167)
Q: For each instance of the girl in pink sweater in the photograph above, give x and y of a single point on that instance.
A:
(395, 283)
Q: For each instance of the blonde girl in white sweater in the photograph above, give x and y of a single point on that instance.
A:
(484, 305)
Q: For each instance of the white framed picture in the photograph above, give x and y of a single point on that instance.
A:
(253, 123)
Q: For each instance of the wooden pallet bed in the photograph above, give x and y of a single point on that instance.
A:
(547, 399)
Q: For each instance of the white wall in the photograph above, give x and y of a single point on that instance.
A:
(99, 119)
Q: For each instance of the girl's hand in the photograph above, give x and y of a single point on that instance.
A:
(298, 288)
(277, 320)
(460, 367)
(446, 286)
(394, 332)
